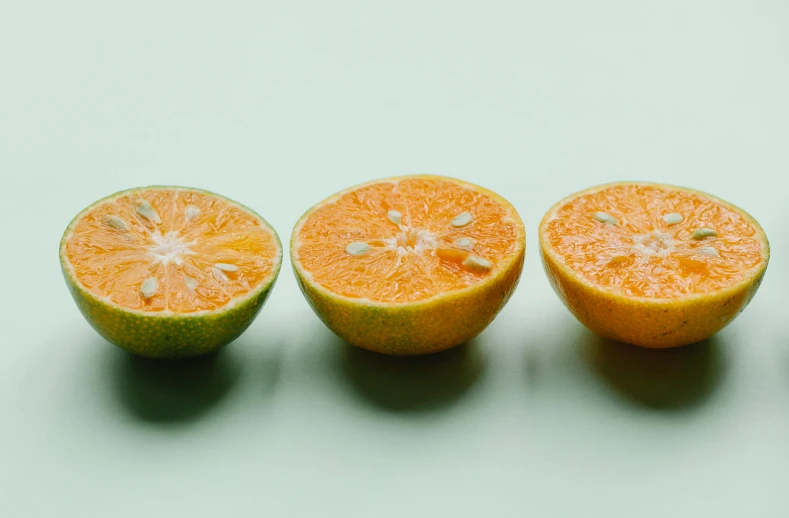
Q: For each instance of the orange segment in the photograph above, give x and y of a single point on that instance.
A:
(409, 265)
(192, 289)
(416, 259)
(202, 250)
(611, 246)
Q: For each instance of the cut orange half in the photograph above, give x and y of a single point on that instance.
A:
(169, 271)
(409, 265)
(652, 265)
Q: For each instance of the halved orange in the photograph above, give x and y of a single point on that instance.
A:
(169, 271)
(652, 265)
(409, 265)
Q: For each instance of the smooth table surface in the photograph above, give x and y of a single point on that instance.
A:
(280, 104)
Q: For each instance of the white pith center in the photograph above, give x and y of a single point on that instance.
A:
(654, 243)
(412, 240)
(168, 247)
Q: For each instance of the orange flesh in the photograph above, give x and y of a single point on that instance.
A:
(644, 256)
(114, 263)
(416, 259)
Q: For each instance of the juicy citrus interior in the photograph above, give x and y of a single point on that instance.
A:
(654, 241)
(170, 249)
(407, 240)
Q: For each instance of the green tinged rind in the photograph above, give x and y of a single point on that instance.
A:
(421, 328)
(169, 335)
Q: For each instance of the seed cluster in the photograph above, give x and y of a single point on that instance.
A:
(673, 218)
(472, 262)
(149, 287)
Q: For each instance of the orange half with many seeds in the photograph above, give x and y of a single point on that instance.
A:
(169, 271)
(652, 265)
(409, 265)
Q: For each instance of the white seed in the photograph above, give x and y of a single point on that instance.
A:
(357, 248)
(148, 288)
(465, 242)
(710, 251)
(395, 217)
(673, 218)
(115, 222)
(477, 263)
(462, 219)
(219, 275)
(190, 282)
(701, 233)
(604, 217)
(145, 210)
(658, 270)
(226, 267)
(192, 211)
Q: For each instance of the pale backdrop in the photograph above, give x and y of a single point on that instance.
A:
(279, 104)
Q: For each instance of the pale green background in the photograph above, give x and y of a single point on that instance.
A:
(281, 104)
